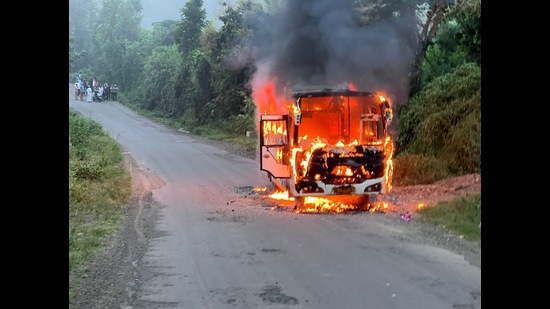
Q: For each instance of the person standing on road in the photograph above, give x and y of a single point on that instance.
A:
(100, 91)
(106, 92)
(89, 93)
(114, 92)
(76, 91)
(82, 85)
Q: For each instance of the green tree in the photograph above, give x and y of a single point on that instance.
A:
(229, 81)
(187, 38)
(189, 28)
(159, 64)
(468, 16)
(430, 26)
(158, 74)
(200, 74)
(71, 52)
(117, 29)
(444, 121)
(458, 41)
(82, 20)
(163, 32)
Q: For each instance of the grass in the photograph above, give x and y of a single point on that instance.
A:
(99, 190)
(461, 216)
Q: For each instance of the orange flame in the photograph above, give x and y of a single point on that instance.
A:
(388, 173)
(319, 204)
(281, 195)
(267, 103)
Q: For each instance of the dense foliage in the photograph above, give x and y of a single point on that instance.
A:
(439, 129)
(99, 187)
(99, 190)
(94, 160)
(185, 72)
(443, 123)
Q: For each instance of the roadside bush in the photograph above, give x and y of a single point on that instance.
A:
(189, 119)
(443, 121)
(99, 188)
(207, 131)
(80, 130)
(87, 170)
(415, 169)
(239, 124)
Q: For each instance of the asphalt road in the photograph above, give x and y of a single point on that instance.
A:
(218, 251)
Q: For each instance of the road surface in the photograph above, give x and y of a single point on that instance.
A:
(216, 248)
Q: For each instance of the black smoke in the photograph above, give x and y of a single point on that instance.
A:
(321, 42)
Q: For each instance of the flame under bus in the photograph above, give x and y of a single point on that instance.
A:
(331, 144)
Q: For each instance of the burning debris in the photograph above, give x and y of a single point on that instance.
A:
(320, 205)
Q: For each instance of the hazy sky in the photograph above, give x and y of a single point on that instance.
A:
(159, 10)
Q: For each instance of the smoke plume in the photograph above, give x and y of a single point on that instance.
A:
(320, 42)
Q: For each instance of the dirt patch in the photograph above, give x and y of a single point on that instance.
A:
(143, 179)
(405, 199)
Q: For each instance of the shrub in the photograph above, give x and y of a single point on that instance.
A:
(413, 169)
(444, 121)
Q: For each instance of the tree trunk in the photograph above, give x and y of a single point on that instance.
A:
(425, 37)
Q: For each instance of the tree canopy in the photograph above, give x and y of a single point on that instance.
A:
(200, 76)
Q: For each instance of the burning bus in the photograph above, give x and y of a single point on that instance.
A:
(331, 144)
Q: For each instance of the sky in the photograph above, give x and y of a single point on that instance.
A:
(159, 10)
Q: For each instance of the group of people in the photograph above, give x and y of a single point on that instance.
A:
(93, 90)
